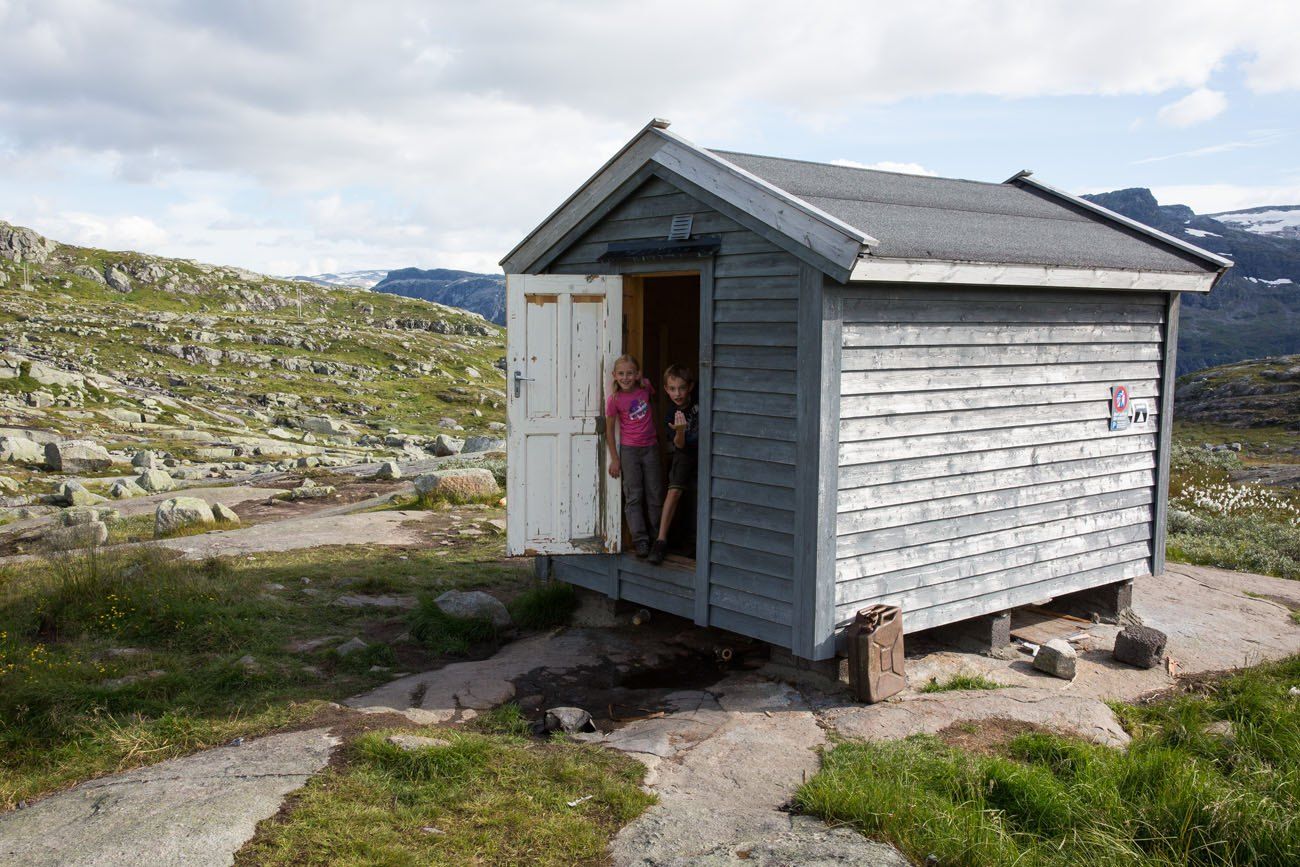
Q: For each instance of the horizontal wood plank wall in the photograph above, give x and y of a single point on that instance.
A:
(976, 469)
(755, 316)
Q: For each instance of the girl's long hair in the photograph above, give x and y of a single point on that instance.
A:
(613, 383)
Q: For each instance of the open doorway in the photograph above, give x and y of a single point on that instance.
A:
(661, 327)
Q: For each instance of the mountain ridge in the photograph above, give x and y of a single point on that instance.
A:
(1254, 309)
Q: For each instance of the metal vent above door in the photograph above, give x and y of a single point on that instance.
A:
(681, 228)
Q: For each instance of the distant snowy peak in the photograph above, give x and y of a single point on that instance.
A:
(360, 279)
(1280, 220)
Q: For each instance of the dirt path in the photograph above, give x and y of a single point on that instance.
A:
(315, 530)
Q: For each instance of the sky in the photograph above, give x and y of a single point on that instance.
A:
(306, 137)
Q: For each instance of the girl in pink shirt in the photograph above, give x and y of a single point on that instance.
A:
(635, 456)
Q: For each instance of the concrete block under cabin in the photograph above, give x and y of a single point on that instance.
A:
(946, 395)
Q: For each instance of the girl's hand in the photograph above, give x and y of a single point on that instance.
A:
(615, 468)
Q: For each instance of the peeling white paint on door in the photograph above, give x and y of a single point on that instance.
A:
(562, 337)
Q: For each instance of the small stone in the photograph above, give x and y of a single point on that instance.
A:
(144, 460)
(1140, 646)
(352, 645)
(568, 720)
(155, 481)
(474, 604)
(224, 514)
(77, 456)
(351, 600)
(388, 470)
(462, 484)
(179, 512)
(73, 493)
(88, 535)
(445, 446)
(1057, 658)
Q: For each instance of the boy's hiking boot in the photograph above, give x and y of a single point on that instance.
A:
(642, 549)
(658, 551)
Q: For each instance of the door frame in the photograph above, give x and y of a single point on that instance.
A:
(703, 267)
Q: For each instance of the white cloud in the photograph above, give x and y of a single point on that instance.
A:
(1215, 198)
(887, 166)
(1262, 138)
(1196, 107)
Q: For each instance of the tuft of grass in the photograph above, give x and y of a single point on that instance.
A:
(960, 682)
(506, 719)
(441, 499)
(1180, 794)
(544, 606)
(442, 633)
(482, 799)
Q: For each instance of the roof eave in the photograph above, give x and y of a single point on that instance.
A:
(1025, 177)
(831, 243)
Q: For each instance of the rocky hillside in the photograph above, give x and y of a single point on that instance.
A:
(1247, 394)
(484, 294)
(1254, 310)
(142, 351)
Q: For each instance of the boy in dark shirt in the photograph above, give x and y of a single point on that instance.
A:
(683, 423)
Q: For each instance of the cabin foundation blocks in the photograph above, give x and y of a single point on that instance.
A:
(1107, 603)
(783, 663)
(986, 634)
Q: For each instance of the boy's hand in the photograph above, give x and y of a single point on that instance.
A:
(615, 468)
(679, 420)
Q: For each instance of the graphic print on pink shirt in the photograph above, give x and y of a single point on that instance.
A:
(635, 421)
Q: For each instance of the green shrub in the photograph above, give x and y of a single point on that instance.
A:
(544, 606)
(961, 681)
(443, 633)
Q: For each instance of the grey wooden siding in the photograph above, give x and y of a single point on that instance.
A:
(750, 540)
(976, 471)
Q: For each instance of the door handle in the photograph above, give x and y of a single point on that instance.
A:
(520, 379)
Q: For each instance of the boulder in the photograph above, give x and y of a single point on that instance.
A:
(73, 493)
(24, 245)
(569, 720)
(77, 456)
(20, 450)
(124, 489)
(474, 604)
(145, 460)
(116, 278)
(8, 485)
(224, 513)
(388, 470)
(464, 484)
(155, 481)
(1057, 658)
(483, 444)
(88, 535)
(309, 490)
(86, 514)
(1141, 646)
(180, 512)
(352, 645)
(325, 425)
(445, 446)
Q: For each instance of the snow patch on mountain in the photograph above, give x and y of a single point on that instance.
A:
(1283, 220)
(359, 279)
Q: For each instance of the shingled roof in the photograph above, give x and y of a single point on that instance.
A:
(872, 225)
(920, 217)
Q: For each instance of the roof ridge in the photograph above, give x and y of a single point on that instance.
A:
(861, 169)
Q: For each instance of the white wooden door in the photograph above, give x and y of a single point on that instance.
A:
(562, 336)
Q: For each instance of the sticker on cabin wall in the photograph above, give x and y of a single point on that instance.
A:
(1120, 416)
(1140, 413)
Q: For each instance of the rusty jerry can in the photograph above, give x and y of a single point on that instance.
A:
(875, 639)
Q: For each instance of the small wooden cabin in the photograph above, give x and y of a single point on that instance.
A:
(948, 395)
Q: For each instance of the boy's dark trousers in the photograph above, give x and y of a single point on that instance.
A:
(643, 490)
